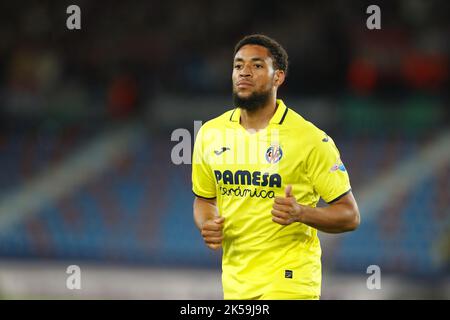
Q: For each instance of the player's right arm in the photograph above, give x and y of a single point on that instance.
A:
(206, 216)
(208, 222)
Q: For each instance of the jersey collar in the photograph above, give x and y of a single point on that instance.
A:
(277, 118)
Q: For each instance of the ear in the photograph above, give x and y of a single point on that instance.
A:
(279, 77)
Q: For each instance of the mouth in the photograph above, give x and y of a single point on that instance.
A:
(244, 84)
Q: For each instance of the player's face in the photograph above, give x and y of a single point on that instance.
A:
(253, 71)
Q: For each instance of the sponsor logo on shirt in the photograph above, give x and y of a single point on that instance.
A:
(243, 178)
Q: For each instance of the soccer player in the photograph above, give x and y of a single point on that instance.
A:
(258, 172)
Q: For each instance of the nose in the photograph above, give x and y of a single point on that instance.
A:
(245, 72)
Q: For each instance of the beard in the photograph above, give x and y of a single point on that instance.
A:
(253, 102)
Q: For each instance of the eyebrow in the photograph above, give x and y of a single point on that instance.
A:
(252, 59)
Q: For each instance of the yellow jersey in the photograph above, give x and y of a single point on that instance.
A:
(244, 171)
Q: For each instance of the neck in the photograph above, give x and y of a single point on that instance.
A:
(259, 119)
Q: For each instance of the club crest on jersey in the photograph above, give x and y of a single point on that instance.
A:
(274, 154)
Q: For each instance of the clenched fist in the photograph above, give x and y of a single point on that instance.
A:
(212, 232)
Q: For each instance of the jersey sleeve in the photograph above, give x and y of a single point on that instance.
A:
(203, 183)
(326, 171)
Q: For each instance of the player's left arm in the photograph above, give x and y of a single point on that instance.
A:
(341, 215)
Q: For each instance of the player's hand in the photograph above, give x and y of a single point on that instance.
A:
(286, 210)
(212, 232)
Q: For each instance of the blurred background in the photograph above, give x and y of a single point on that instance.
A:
(86, 117)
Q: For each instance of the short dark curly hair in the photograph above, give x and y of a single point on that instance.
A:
(279, 55)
